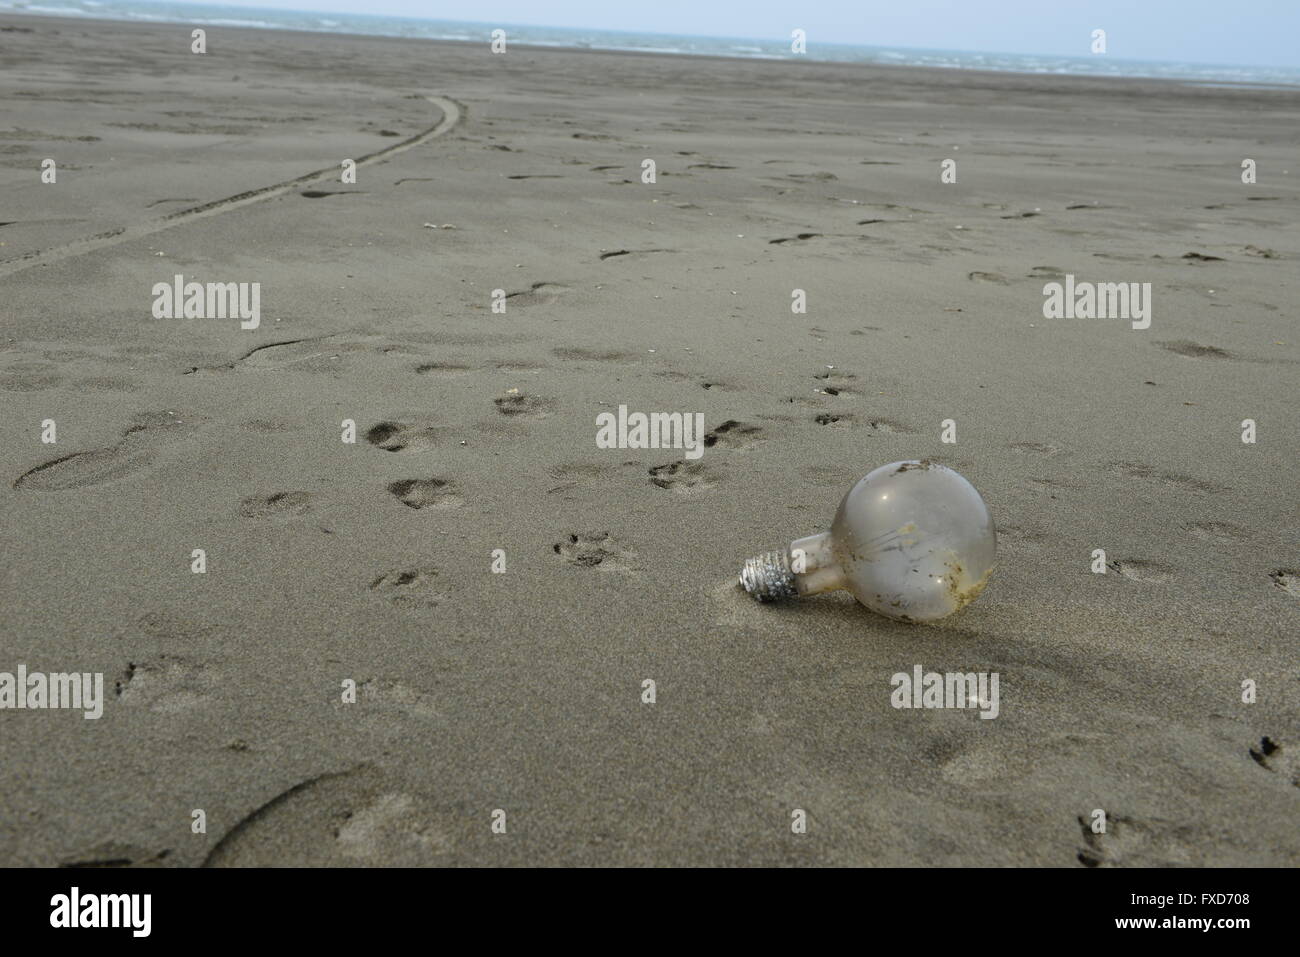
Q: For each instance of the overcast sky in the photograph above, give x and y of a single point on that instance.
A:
(1252, 33)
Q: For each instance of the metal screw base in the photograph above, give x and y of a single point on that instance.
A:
(768, 577)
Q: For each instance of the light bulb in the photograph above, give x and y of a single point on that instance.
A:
(912, 541)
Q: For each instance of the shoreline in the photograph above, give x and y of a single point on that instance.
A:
(1242, 85)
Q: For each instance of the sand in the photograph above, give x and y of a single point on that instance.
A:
(521, 692)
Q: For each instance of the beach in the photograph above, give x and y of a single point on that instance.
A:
(494, 589)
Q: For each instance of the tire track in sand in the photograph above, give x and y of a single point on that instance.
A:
(452, 113)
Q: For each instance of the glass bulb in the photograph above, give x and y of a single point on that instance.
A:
(912, 541)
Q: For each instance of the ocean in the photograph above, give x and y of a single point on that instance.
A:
(770, 48)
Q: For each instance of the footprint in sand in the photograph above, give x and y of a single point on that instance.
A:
(806, 402)
(520, 404)
(167, 684)
(1172, 480)
(592, 355)
(1036, 448)
(573, 475)
(595, 550)
(890, 427)
(838, 419)
(1129, 842)
(278, 505)
(632, 253)
(409, 587)
(1271, 756)
(1287, 579)
(1140, 570)
(517, 365)
(834, 381)
(1194, 350)
(81, 469)
(149, 432)
(1217, 532)
(818, 177)
(1046, 481)
(401, 437)
(733, 435)
(709, 384)
(357, 817)
(425, 493)
(579, 471)
(539, 294)
(1260, 252)
(442, 369)
(832, 390)
(685, 477)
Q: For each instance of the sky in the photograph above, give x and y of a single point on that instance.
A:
(1251, 33)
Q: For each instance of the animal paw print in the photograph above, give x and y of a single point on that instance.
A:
(733, 435)
(684, 477)
(399, 437)
(1287, 579)
(594, 549)
(890, 427)
(1271, 757)
(1129, 842)
(425, 493)
(518, 404)
(840, 419)
(167, 684)
(408, 587)
(280, 505)
(834, 381)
